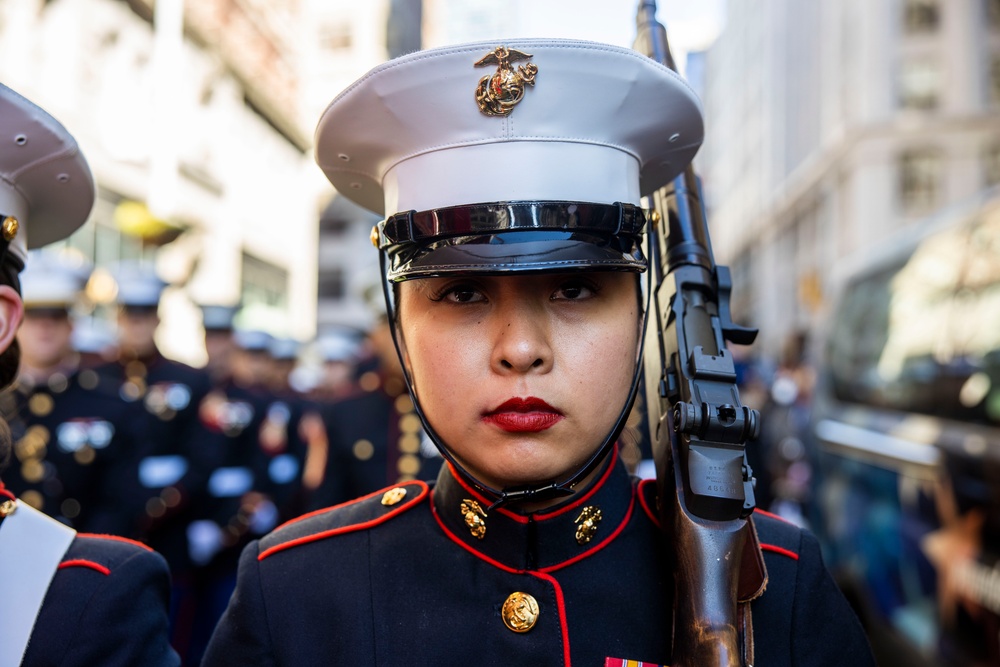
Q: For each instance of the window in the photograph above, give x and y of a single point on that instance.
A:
(264, 283)
(993, 13)
(991, 165)
(336, 36)
(919, 83)
(331, 284)
(919, 174)
(994, 82)
(920, 16)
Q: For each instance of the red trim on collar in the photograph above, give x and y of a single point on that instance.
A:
(650, 511)
(539, 516)
(6, 494)
(773, 516)
(84, 563)
(424, 490)
(115, 538)
(561, 603)
(779, 550)
(600, 545)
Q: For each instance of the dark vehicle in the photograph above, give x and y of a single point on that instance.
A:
(907, 421)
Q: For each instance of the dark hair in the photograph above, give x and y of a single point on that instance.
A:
(10, 359)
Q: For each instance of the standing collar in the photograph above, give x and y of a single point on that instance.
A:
(546, 540)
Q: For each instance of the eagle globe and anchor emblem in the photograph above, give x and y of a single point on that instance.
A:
(497, 93)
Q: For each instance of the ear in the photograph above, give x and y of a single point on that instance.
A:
(11, 313)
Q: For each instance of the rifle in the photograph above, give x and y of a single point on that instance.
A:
(697, 424)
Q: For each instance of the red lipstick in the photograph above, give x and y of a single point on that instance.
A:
(523, 415)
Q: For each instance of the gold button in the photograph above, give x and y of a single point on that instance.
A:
(32, 471)
(374, 236)
(89, 379)
(520, 612)
(409, 423)
(363, 450)
(40, 404)
(393, 496)
(409, 443)
(394, 386)
(84, 456)
(135, 369)
(10, 227)
(408, 464)
(369, 381)
(403, 404)
(475, 518)
(58, 383)
(34, 499)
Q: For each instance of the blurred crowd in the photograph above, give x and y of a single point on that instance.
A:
(112, 437)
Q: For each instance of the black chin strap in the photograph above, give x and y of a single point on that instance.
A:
(532, 492)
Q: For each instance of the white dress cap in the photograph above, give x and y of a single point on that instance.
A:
(53, 280)
(45, 182)
(594, 123)
(138, 284)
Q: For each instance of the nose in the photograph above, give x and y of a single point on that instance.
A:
(522, 343)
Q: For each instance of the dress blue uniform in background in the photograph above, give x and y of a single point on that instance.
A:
(72, 431)
(166, 483)
(69, 599)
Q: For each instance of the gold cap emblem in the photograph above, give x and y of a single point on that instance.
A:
(520, 612)
(374, 236)
(475, 518)
(587, 524)
(497, 93)
(10, 227)
(393, 496)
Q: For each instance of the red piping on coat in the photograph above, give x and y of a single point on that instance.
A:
(779, 550)
(563, 623)
(115, 538)
(348, 529)
(84, 563)
(645, 505)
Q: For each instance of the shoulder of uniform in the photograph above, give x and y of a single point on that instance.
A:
(102, 553)
(777, 535)
(364, 513)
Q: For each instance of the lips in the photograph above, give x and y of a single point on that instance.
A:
(523, 415)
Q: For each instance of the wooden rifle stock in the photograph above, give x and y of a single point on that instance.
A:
(698, 426)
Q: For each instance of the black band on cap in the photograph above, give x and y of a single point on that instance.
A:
(505, 237)
(477, 219)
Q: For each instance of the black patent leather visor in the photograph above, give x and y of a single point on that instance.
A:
(508, 237)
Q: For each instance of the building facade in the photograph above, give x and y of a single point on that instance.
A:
(193, 112)
(832, 125)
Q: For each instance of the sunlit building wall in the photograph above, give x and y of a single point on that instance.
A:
(192, 109)
(832, 125)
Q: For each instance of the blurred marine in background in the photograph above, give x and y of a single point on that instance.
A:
(68, 599)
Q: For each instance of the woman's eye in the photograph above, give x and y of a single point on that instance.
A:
(573, 291)
(463, 294)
